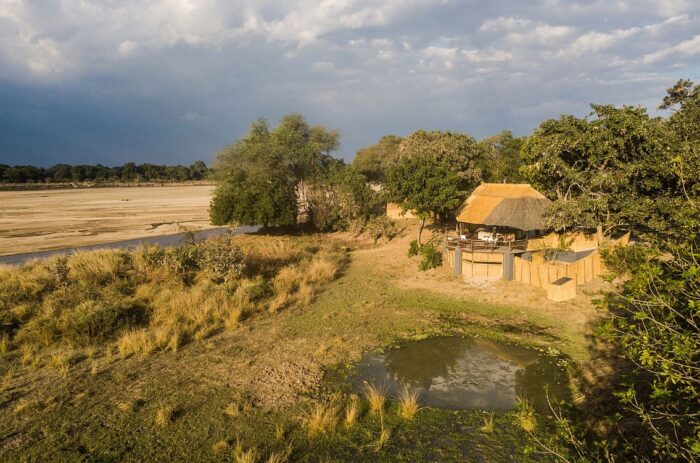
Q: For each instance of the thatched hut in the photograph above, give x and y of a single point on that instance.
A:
(513, 208)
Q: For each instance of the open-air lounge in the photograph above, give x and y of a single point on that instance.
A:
(494, 224)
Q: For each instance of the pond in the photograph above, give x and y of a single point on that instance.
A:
(162, 240)
(467, 373)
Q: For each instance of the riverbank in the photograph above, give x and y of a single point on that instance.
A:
(33, 221)
(259, 384)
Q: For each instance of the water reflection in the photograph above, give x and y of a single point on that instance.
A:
(455, 372)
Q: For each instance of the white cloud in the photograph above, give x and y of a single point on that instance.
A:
(504, 24)
(686, 48)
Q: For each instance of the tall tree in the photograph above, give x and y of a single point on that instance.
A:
(434, 174)
(375, 160)
(614, 168)
(500, 160)
(261, 174)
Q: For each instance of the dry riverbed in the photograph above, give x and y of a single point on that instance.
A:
(43, 220)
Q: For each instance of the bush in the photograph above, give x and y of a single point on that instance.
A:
(222, 260)
(381, 226)
(431, 255)
(97, 321)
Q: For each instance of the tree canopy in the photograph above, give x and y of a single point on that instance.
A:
(375, 160)
(617, 167)
(499, 159)
(260, 174)
(435, 172)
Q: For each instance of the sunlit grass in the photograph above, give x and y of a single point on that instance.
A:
(322, 418)
(375, 396)
(164, 415)
(352, 411)
(408, 402)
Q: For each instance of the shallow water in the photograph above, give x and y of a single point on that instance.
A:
(467, 373)
(163, 240)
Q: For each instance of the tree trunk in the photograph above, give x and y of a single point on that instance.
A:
(599, 233)
(420, 230)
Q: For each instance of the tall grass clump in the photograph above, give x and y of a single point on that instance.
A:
(525, 416)
(322, 418)
(352, 411)
(375, 396)
(408, 402)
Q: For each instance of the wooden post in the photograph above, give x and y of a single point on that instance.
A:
(458, 261)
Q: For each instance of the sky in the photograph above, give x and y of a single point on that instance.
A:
(173, 81)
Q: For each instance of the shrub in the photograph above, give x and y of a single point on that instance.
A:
(97, 321)
(432, 258)
(381, 227)
(224, 261)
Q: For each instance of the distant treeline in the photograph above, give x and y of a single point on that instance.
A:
(129, 172)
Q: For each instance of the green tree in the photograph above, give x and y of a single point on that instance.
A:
(374, 161)
(434, 174)
(261, 174)
(609, 170)
(500, 160)
(341, 200)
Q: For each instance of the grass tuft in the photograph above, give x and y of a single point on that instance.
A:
(352, 411)
(487, 428)
(382, 439)
(244, 456)
(376, 396)
(164, 415)
(525, 417)
(408, 403)
(322, 418)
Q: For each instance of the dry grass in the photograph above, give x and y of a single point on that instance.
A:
(408, 403)
(232, 409)
(376, 396)
(280, 456)
(525, 417)
(164, 415)
(154, 299)
(487, 428)
(323, 418)
(221, 447)
(352, 411)
(4, 344)
(240, 455)
(382, 439)
(6, 381)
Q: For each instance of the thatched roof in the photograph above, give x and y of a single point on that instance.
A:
(505, 205)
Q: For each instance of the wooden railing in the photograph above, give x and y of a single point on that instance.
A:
(481, 245)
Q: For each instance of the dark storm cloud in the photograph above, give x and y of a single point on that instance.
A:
(173, 81)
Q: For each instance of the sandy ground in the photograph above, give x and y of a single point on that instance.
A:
(42, 220)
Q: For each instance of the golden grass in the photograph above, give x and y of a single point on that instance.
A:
(95, 267)
(232, 409)
(4, 344)
(376, 396)
(382, 439)
(525, 417)
(321, 270)
(151, 299)
(322, 418)
(6, 381)
(240, 455)
(352, 411)
(220, 447)
(280, 456)
(408, 403)
(164, 415)
(487, 428)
